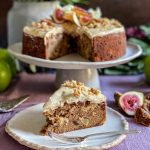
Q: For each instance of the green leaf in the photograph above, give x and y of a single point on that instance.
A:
(139, 42)
(65, 2)
(109, 71)
(123, 67)
(146, 29)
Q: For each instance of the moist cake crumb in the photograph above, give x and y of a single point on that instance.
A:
(65, 111)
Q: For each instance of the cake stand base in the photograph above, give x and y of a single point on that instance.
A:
(88, 76)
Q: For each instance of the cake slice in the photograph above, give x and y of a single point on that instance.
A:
(72, 107)
(45, 39)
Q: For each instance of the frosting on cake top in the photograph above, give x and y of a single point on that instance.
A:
(101, 27)
(75, 20)
(73, 92)
(42, 28)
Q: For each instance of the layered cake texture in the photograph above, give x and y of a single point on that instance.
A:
(72, 107)
(73, 29)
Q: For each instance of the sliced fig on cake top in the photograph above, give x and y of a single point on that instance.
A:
(68, 16)
(130, 101)
(85, 20)
(58, 15)
(81, 12)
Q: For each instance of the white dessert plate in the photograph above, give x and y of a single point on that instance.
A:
(25, 128)
(74, 61)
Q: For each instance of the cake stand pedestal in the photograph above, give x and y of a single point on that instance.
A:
(75, 67)
(88, 76)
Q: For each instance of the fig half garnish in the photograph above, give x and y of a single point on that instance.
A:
(130, 101)
(85, 20)
(81, 12)
(58, 15)
(117, 96)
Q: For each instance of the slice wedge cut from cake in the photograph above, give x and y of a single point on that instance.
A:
(72, 107)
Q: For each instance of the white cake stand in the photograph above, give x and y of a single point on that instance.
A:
(73, 66)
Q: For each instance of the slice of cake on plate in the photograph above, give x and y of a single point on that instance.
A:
(73, 29)
(72, 107)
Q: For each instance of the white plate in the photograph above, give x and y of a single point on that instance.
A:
(74, 61)
(26, 125)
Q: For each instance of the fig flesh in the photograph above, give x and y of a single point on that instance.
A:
(58, 15)
(85, 20)
(130, 101)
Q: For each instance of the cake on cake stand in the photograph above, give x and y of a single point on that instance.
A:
(75, 67)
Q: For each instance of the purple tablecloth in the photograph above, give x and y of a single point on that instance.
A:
(41, 86)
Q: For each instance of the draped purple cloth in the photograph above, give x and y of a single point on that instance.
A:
(41, 86)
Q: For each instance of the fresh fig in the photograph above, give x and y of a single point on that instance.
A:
(80, 11)
(130, 101)
(147, 96)
(117, 96)
(85, 20)
(58, 15)
(68, 16)
(142, 117)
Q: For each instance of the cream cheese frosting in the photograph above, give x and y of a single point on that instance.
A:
(35, 31)
(42, 29)
(93, 32)
(101, 27)
(73, 92)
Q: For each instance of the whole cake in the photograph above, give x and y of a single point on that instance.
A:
(73, 29)
(74, 106)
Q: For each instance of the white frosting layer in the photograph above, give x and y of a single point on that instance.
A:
(66, 95)
(93, 32)
(42, 32)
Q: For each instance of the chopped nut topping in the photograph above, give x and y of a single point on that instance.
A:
(93, 91)
(104, 23)
(73, 84)
(79, 87)
(77, 92)
(44, 24)
(48, 21)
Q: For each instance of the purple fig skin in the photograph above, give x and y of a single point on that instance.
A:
(117, 96)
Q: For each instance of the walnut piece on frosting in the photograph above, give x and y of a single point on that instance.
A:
(43, 24)
(72, 84)
(94, 91)
(104, 24)
(79, 87)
